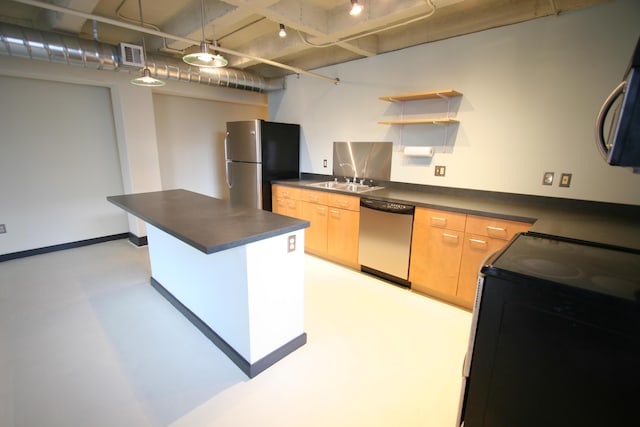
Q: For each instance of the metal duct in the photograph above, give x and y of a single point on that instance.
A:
(51, 47)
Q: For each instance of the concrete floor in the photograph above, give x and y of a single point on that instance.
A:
(85, 341)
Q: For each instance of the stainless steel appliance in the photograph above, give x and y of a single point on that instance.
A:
(385, 239)
(622, 145)
(256, 153)
(555, 337)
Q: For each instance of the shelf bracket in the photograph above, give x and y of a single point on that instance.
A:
(448, 99)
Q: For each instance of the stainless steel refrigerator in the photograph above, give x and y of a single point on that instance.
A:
(258, 152)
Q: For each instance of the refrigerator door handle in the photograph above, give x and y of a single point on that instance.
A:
(227, 162)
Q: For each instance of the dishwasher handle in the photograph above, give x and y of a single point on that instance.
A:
(391, 207)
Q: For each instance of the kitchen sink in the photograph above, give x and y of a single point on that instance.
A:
(344, 186)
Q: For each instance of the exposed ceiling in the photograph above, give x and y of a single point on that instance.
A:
(319, 32)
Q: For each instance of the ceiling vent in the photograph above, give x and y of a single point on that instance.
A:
(131, 54)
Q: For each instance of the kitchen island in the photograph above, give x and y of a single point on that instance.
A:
(235, 272)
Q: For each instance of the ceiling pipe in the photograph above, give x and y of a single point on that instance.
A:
(51, 47)
(153, 32)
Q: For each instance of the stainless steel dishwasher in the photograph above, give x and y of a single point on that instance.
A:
(385, 239)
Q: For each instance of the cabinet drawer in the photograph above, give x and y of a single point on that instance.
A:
(344, 202)
(495, 227)
(440, 219)
(311, 196)
(282, 192)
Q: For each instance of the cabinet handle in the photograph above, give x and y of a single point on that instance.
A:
(438, 221)
(450, 236)
(321, 210)
(334, 212)
(498, 232)
(478, 241)
(314, 198)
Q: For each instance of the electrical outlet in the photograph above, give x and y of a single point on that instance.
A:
(547, 178)
(324, 163)
(291, 243)
(3, 229)
(440, 170)
(565, 180)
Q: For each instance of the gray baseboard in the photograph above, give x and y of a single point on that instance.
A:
(61, 247)
(251, 370)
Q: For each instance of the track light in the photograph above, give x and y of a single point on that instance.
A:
(202, 57)
(356, 8)
(282, 32)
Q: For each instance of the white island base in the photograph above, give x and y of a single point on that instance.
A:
(248, 299)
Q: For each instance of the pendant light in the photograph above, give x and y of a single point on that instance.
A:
(202, 57)
(146, 79)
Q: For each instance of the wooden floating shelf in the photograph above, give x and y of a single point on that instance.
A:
(420, 121)
(449, 93)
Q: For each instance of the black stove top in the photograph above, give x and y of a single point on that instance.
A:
(594, 268)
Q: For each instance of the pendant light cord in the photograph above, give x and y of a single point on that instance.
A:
(202, 18)
(144, 46)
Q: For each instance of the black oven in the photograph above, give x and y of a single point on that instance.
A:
(555, 338)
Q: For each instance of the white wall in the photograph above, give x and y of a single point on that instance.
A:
(531, 95)
(59, 162)
(191, 141)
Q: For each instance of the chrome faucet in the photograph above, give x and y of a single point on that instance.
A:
(355, 172)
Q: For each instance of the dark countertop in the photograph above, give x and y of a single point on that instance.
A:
(606, 223)
(206, 223)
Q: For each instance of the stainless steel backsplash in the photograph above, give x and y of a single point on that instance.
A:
(362, 160)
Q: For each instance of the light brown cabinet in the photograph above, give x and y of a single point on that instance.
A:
(448, 249)
(334, 218)
(286, 201)
(436, 250)
(315, 236)
(483, 236)
(342, 236)
(342, 229)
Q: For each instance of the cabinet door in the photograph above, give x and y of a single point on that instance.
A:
(435, 261)
(418, 265)
(476, 249)
(315, 236)
(342, 235)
